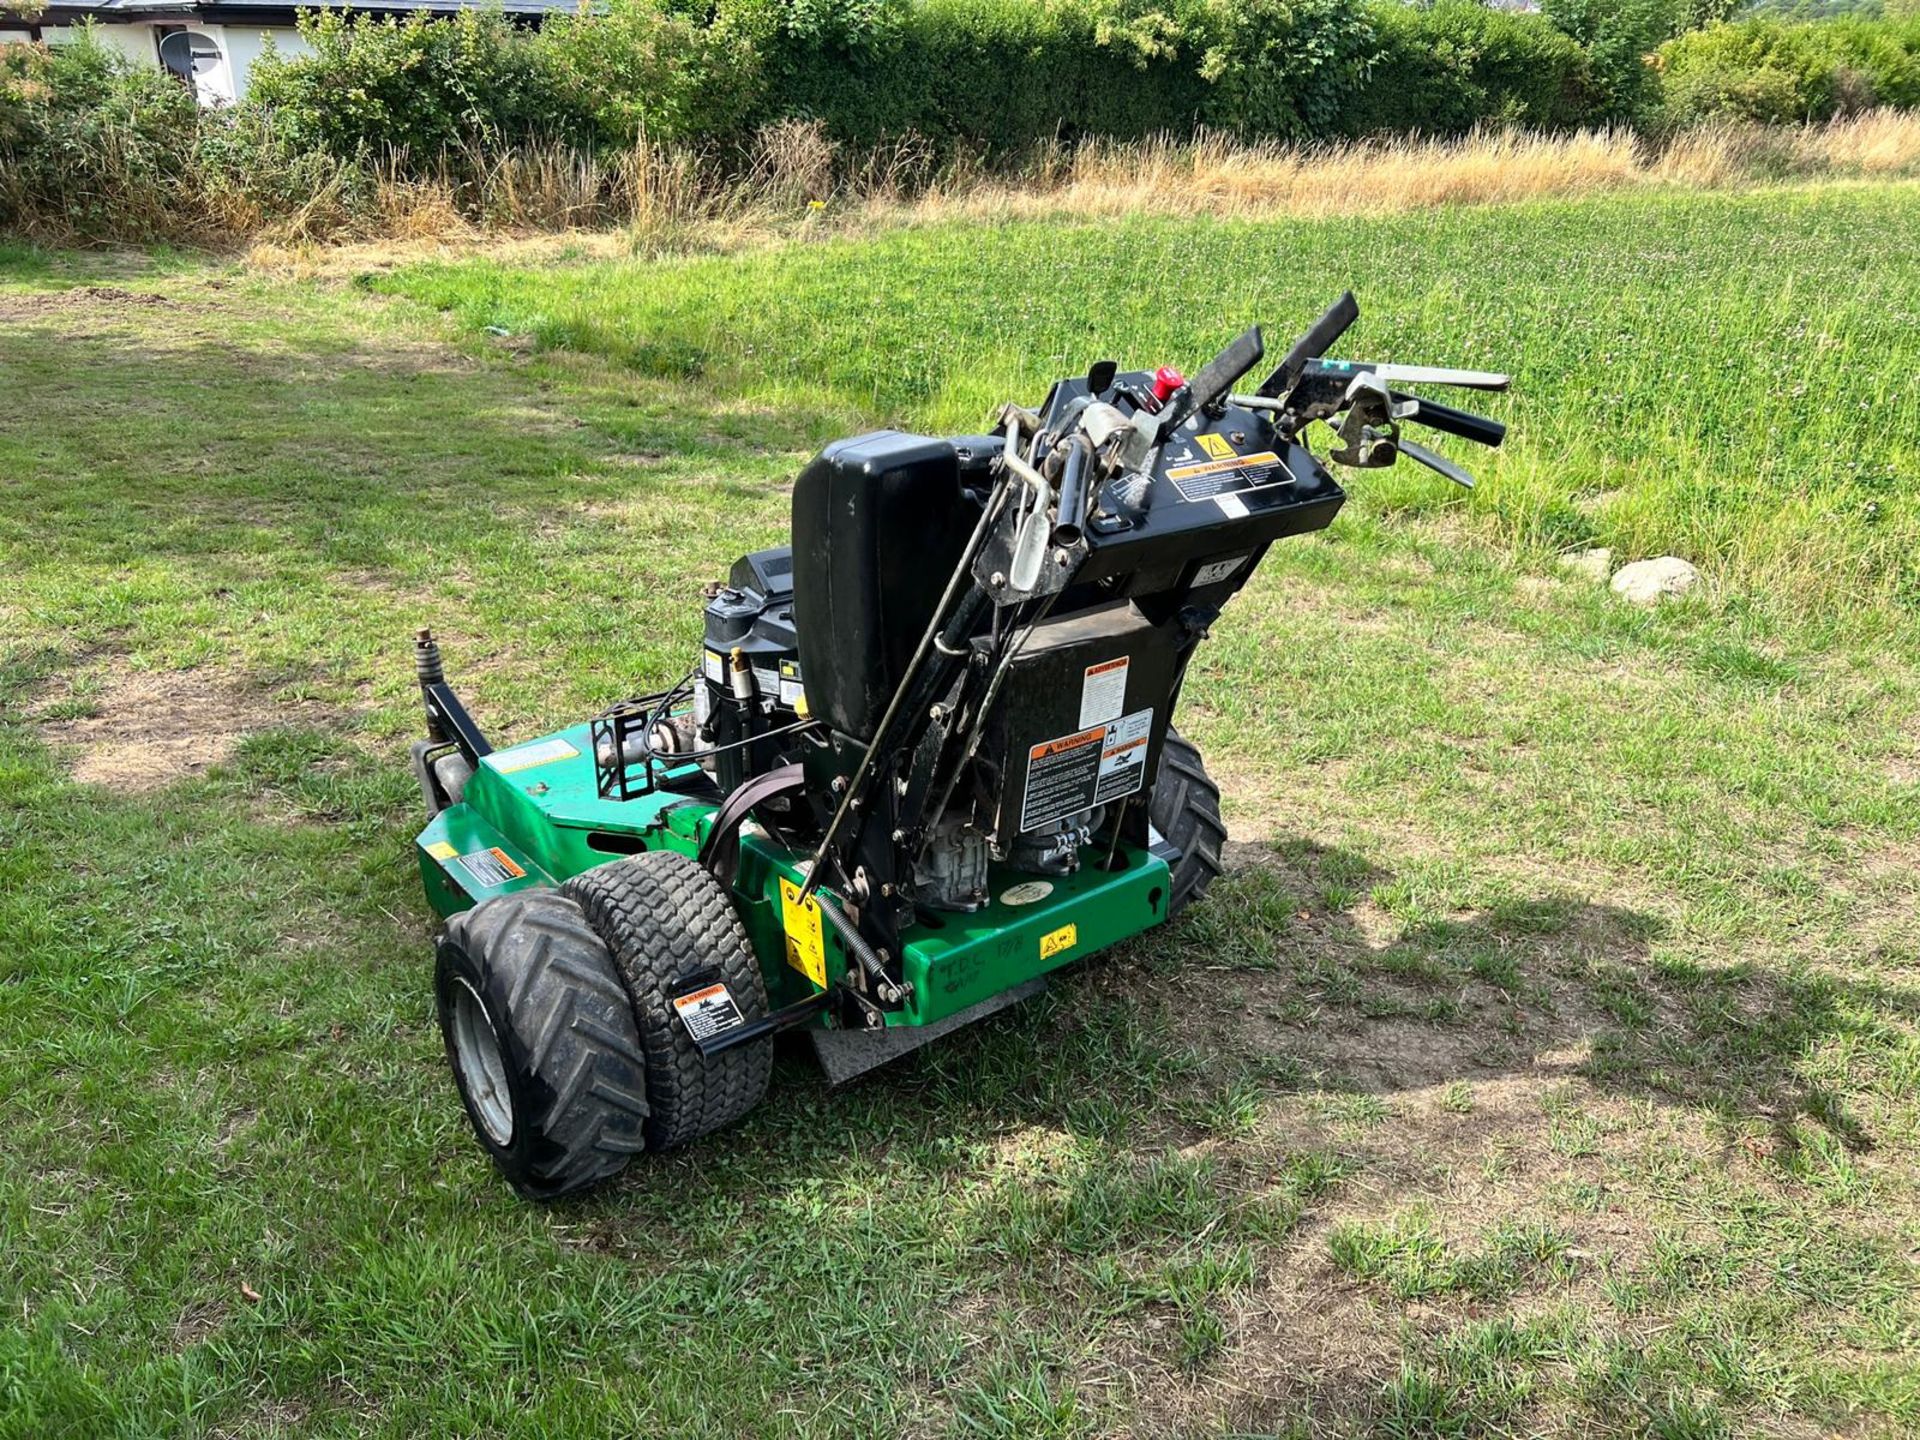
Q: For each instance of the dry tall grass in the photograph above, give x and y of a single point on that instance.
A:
(1217, 176)
(795, 179)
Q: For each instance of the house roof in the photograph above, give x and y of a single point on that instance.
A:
(242, 12)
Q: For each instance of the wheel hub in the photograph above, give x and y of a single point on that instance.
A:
(483, 1070)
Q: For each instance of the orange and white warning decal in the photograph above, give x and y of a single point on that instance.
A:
(708, 1011)
(1211, 478)
(1089, 767)
(491, 868)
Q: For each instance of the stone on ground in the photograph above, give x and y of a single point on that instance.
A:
(1648, 582)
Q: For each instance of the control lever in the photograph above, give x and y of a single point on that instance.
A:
(1439, 464)
(1334, 323)
(1426, 374)
(1216, 377)
(1100, 377)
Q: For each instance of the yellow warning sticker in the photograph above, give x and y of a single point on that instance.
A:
(441, 850)
(1057, 942)
(1216, 446)
(806, 950)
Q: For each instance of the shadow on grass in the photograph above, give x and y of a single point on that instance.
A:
(1266, 990)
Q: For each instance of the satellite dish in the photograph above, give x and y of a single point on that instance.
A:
(189, 54)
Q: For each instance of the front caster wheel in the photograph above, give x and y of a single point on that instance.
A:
(541, 1036)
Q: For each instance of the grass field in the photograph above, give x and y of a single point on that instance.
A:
(1547, 1063)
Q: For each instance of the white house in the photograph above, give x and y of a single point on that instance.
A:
(212, 44)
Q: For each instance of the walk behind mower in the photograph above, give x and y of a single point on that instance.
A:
(924, 758)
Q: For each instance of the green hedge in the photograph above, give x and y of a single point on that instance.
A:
(991, 75)
(1447, 69)
(1778, 70)
(88, 136)
(1000, 76)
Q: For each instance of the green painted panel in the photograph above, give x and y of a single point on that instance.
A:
(970, 957)
(457, 853)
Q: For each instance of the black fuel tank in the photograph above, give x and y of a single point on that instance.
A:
(879, 523)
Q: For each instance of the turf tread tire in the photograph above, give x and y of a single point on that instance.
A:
(663, 916)
(1185, 808)
(576, 1073)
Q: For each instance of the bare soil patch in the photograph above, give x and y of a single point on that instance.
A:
(78, 297)
(144, 730)
(197, 1322)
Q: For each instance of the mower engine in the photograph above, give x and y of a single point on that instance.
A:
(925, 754)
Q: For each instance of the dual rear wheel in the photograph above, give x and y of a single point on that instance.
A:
(555, 1007)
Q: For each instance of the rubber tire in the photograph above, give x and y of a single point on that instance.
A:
(664, 917)
(1185, 808)
(576, 1076)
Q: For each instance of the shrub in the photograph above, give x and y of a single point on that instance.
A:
(94, 144)
(1619, 38)
(1293, 69)
(636, 67)
(1772, 70)
(1445, 70)
(417, 86)
(1003, 75)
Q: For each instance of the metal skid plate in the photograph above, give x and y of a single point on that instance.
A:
(847, 1054)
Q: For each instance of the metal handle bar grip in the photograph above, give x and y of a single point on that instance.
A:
(1450, 421)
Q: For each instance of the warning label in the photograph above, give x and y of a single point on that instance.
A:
(1103, 694)
(806, 949)
(792, 693)
(708, 1012)
(1216, 445)
(1218, 570)
(1229, 477)
(1087, 768)
(491, 867)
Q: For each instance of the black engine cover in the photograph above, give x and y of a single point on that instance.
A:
(1081, 717)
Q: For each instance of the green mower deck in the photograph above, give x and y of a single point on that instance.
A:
(531, 816)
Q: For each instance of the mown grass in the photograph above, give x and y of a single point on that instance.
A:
(1547, 1064)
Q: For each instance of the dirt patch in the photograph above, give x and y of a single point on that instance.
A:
(139, 731)
(269, 1416)
(79, 297)
(197, 1322)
